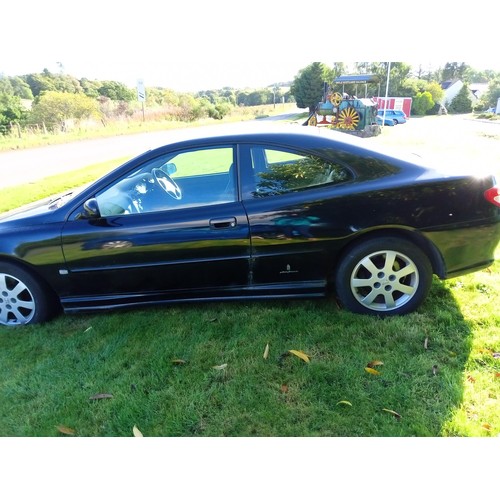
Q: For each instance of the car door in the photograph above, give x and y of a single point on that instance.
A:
(284, 194)
(166, 229)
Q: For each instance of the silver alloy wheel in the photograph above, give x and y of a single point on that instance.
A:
(384, 280)
(17, 304)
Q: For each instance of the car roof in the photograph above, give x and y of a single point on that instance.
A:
(279, 134)
(259, 132)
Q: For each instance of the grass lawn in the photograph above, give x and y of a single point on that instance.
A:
(225, 369)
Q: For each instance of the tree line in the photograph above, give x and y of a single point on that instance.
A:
(53, 100)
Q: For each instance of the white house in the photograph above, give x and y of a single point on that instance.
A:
(453, 87)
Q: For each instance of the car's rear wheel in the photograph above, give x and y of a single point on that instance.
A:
(23, 300)
(384, 276)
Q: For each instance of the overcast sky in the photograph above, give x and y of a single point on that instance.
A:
(194, 45)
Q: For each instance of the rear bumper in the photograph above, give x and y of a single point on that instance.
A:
(465, 250)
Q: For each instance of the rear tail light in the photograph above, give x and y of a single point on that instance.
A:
(493, 195)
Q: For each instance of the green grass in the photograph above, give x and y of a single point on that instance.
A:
(439, 371)
(16, 196)
(440, 368)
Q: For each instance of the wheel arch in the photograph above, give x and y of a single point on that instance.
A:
(430, 250)
(35, 275)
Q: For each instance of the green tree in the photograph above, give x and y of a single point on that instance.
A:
(422, 103)
(53, 108)
(11, 111)
(90, 87)
(39, 83)
(491, 96)
(399, 73)
(455, 71)
(435, 90)
(116, 91)
(308, 86)
(21, 88)
(461, 103)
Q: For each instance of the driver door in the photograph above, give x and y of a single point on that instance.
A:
(169, 228)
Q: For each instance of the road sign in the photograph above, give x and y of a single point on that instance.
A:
(141, 91)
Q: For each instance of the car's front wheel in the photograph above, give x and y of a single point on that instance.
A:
(23, 300)
(383, 276)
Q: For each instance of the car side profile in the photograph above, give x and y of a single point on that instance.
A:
(241, 214)
(395, 115)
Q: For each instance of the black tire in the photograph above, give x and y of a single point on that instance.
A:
(23, 300)
(400, 284)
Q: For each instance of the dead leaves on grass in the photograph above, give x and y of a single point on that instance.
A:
(67, 431)
(292, 352)
(96, 397)
(266, 352)
(302, 355)
(370, 367)
(136, 432)
(396, 415)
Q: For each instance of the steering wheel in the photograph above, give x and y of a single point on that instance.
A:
(167, 183)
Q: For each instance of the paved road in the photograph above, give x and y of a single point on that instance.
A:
(31, 165)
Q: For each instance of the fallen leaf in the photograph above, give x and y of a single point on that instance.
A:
(435, 369)
(179, 361)
(220, 367)
(392, 412)
(471, 379)
(426, 343)
(344, 402)
(372, 364)
(484, 350)
(371, 371)
(284, 388)
(452, 354)
(90, 328)
(303, 356)
(213, 320)
(101, 396)
(266, 352)
(486, 426)
(66, 430)
(497, 374)
(137, 432)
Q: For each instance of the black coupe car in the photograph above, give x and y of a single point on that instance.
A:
(281, 212)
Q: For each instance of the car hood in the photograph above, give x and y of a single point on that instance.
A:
(38, 208)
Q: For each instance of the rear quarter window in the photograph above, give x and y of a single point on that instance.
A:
(281, 171)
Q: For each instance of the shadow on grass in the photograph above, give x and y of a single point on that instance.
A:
(200, 370)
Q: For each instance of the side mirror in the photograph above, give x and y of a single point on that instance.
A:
(90, 209)
(169, 168)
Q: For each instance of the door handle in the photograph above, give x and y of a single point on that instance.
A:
(223, 223)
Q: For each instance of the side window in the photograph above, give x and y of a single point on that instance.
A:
(280, 171)
(185, 179)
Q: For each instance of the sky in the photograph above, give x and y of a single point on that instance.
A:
(193, 45)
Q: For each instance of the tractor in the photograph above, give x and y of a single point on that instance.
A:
(357, 116)
(347, 114)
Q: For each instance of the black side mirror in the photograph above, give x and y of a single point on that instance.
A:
(90, 210)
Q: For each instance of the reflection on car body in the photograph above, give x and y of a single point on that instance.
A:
(278, 212)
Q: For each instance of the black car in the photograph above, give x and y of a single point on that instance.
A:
(281, 212)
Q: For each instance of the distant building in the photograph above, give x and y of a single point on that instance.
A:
(453, 87)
